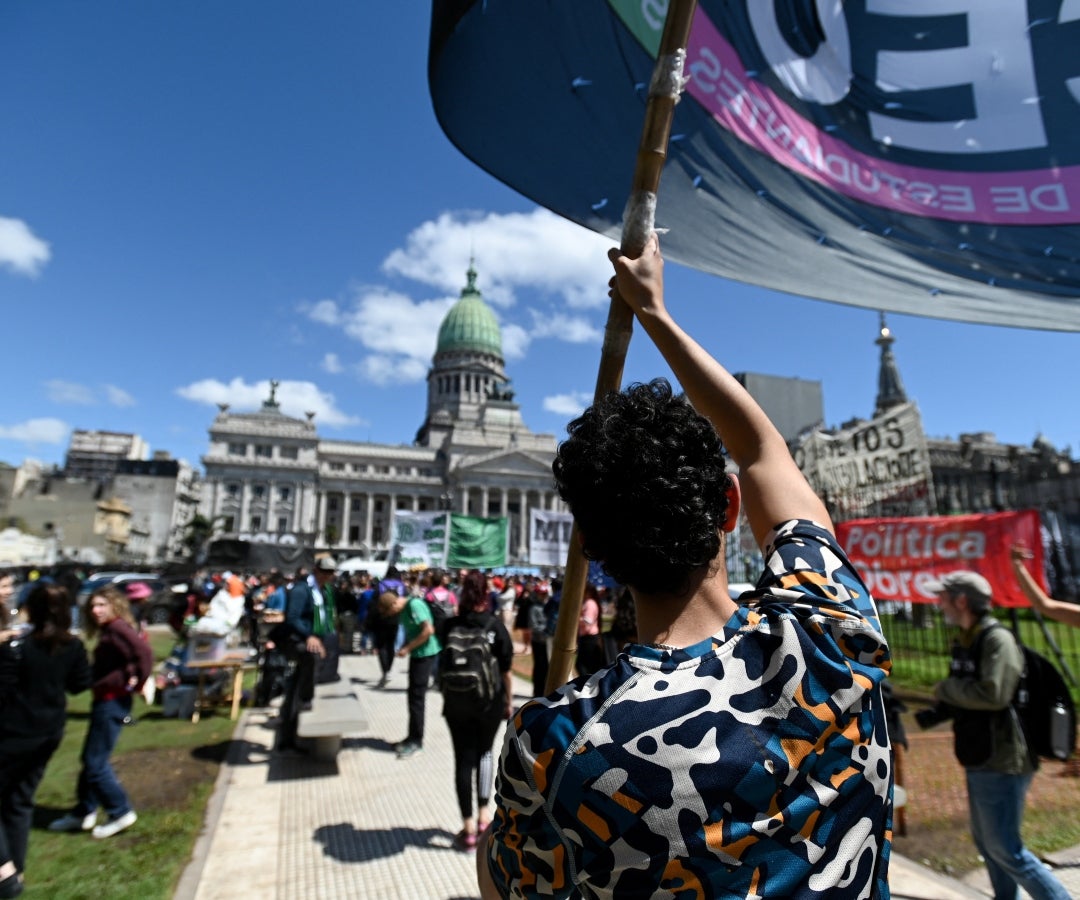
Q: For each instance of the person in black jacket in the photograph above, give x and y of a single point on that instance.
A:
(35, 672)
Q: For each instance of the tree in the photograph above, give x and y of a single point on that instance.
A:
(331, 532)
(196, 533)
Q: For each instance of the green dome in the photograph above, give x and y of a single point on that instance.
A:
(470, 325)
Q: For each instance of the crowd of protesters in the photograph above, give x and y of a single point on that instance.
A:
(400, 618)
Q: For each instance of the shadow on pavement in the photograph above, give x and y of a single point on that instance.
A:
(346, 843)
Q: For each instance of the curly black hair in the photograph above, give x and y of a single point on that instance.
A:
(644, 475)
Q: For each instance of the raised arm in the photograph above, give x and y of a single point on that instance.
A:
(773, 488)
(1053, 609)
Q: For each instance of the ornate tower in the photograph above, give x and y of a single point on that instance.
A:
(467, 369)
(890, 387)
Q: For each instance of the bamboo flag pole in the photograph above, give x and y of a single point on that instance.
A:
(637, 226)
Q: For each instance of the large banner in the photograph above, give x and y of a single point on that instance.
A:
(897, 557)
(549, 537)
(917, 156)
(875, 468)
(477, 543)
(420, 539)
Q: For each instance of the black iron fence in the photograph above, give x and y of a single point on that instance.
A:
(920, 642)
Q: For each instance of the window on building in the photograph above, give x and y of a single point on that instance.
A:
(337, 467)
(284, 494)
(264, 451)
(379, 506)
(382, 470)
(227, 524)
(354, 534)
(359, 467)
(377, 534)
(258, 491)
(237, 449)
(232, 489)
(332, 504)
(256, 523)
(288, 452)
(355, 504)
(282, 524)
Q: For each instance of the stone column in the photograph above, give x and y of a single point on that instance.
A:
(245, 505)
(346, 501)
(369, 519)
(320, 528)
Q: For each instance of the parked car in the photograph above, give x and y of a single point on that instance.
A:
(165, 606)
(117, 579)
(375, 565)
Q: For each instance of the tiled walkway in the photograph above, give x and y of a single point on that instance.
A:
(371, 825)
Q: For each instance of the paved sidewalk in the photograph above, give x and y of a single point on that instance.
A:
(371, 825)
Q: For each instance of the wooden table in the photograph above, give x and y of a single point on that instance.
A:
(236, 664)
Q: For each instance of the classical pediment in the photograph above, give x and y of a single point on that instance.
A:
(503, 463)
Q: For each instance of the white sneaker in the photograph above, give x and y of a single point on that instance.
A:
(115, 826)
(72, 822)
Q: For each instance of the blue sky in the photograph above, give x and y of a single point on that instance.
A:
(198, 197)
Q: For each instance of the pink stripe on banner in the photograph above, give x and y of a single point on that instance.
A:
(761, 119)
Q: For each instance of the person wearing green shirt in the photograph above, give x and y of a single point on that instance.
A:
(422, 647)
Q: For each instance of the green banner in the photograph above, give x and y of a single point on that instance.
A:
(477, 543)
(645, 18)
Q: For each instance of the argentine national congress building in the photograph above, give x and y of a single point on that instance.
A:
(271, 478)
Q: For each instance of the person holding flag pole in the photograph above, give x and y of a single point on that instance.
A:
(696, 762)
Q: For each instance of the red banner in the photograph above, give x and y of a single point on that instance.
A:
(897, 557)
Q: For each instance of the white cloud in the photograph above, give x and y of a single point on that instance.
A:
(572, 329)
(384, 370)
(515, 341)
(325, 312)
(400, 332)
(296, 398)
(118, 396)
(36, 431)
(513, 251)
(536, 253)
(572, 404)
(69, 392)
(60, 391)
(20, 249)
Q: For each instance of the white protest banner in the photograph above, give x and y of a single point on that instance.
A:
(875, 468)
(420, 538)
(549, 537)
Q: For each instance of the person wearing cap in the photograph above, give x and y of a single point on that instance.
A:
(309, 620)
(988, 740)
(137, 592)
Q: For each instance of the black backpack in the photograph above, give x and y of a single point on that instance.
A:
(441, 609)
(1044, 706)
(469, 676)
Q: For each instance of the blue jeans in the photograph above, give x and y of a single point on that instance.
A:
(996, 804)
(98, 785)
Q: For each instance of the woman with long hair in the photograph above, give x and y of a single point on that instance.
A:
(36, 670)
(122, 662)
(473, 725)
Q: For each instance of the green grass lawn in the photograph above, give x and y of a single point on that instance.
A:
(167, 766)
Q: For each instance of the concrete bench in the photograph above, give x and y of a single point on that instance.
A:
(335, 711)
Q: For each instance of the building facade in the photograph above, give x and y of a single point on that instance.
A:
(973, 473)
(96, 455)
(163, 495)
(271, 478)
